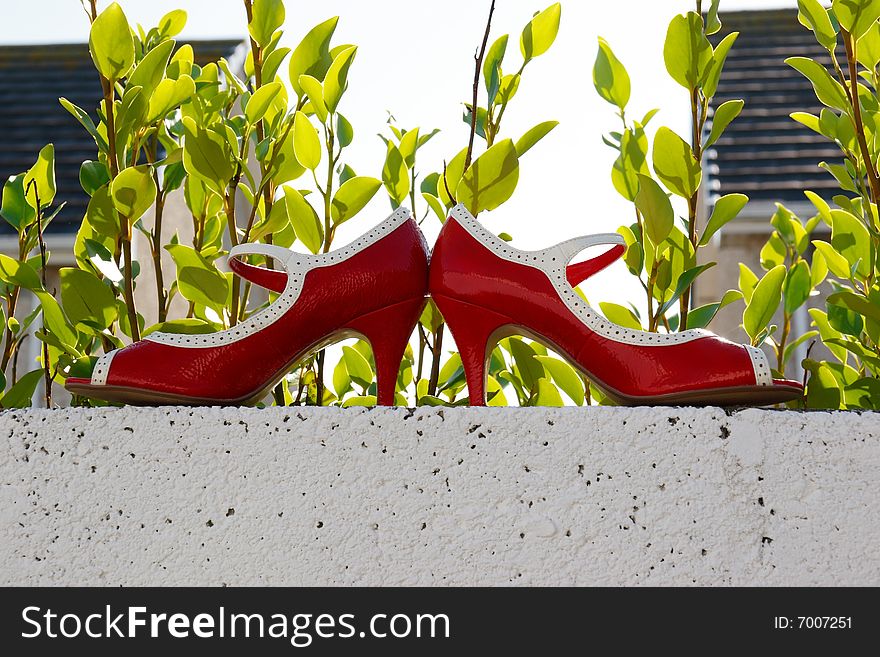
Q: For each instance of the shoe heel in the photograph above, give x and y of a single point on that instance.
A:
(472, 329)
(388, 331)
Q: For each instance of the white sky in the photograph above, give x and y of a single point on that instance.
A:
(415, 59)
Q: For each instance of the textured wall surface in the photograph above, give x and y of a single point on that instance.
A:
(439, 497)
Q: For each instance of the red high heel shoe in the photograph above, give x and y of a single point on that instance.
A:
(375, 288)
(488, 290)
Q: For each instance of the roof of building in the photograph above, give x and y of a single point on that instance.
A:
(32, 78)
(764, 153)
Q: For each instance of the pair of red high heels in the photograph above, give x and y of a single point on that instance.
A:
(376, 288)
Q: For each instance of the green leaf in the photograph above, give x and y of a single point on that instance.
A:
(312, 55)
(823, 390)
(701, 317)
(395, 175)
(764, 301)
(314, 90)
(822, 207)
(190, 326)
(814, 16)
(352, 196)
(360, 400)
(15, 209)
(305, 220)
(547, 394)
(110, 43)
(610, 77)
(686, 279)
(451, 177)
(656, 208)
(686, 51)
(540, 32)
(306, 142)
(17, 273)
(713, 23)
(533, 136)
(168, 95)
(273, 62)
(336, 79)
(837, 264)
(341, 379)
(845, 320)
(286, 167)
(491, 179)
(868, 50)
(409, 144)
(675, 164)
(20, 394)
(198, 280)
(172, 23)
(54, 319)
(565, 377)
(86, 299)
(92, 176)
(151, 69)
(492, 67)
(133, 191)
(260, 102)
(723, 117)
(726, 209)
(101, 213)
(267, 16)
(851, 239)
(358, 368)
(620, 315)
(856, 16)
(40, 178)
(797, 287)
(811, 121)
(856, 303)
(85, 121)
(828, 90)
(207, 156)
(279, 219)
(530, 370)
(719, 57)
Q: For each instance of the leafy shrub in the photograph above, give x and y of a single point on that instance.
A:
(166, 124)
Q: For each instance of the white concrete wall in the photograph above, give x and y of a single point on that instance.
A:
(439, 496)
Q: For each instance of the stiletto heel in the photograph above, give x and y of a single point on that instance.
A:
(380, 280)
(388, 331)
(475, 331)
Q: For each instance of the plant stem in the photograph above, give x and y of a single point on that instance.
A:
(156, 242)
(436, 353)
(693, 201)
(478, 58)
(47, 375)
(853, 88)
(129, 283)
(229, 201)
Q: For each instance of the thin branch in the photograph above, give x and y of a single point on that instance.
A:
(873, 179)
(478, 58)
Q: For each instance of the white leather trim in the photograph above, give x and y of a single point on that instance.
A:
(102, 369)
(763, 374)
(296, 265)
(553, 262)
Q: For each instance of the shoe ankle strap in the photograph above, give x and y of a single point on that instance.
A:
(268, 278)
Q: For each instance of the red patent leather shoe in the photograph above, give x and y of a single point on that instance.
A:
(488, 290)
(373, 288)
